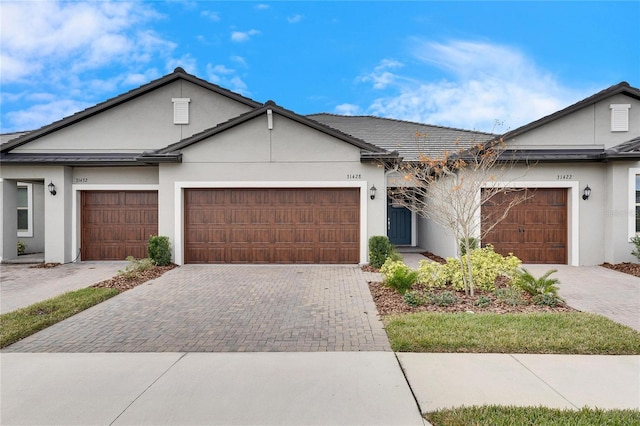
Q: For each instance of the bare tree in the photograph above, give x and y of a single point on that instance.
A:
(452, 189)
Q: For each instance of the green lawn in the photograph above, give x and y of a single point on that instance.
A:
(522, 416)
(23, 322)
(534, 333)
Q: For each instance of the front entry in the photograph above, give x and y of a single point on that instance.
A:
(399, 225)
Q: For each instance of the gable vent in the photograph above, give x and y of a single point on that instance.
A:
(180, 110)
(620, 117)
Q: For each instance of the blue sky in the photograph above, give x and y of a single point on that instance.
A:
(490, 66)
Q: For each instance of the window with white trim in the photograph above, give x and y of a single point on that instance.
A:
(180, 110)
(620, 117)
(24, 203)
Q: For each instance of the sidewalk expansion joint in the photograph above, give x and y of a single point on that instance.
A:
(543, 381)
(147, 388)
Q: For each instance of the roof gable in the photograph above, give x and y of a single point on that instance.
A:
(368, 149)
(620, 88)
(177, 74)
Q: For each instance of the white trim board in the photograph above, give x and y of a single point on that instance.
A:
(178, 202)
(632, 202)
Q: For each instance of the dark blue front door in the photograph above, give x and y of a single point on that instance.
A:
(399, 225)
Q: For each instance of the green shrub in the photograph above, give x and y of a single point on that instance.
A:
(432, 274)
(22, 247)
(510, 296)
(473, 244)
(482, 302)
(544, 285)
(546, 300)
(380, 249)
(135, 267)
(414, 298)
(402, 279)
(636, 242)
(389, 267)
(160, 250)
(446, 298)
(486, 266)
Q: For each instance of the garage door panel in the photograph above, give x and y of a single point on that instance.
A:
(534, 217)
(262, 235)
(285, 236)
(304, 235)
(555, 236)
(117, 224)
(535, 230)
(278, 225)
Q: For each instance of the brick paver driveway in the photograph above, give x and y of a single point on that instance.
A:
(227, 308)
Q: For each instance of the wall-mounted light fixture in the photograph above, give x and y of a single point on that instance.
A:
(586, 193)
(372, 192)
(52, 188)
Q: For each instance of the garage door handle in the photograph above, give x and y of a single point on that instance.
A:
(557, 246)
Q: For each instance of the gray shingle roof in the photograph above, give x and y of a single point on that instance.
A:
(397, 135)
(629, 149)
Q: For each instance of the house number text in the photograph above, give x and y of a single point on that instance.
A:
(81, 180)
(356, 176)
(565, 177)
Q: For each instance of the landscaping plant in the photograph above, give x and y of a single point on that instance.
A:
(544, 289)
(636, 242)
(486, 266)
(160, 250)
(402, 279)
(135, 267)
(381, 249)
(432, 274)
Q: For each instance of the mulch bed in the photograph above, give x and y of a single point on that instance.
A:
(626, 267)
(389, 301)
(122, 283)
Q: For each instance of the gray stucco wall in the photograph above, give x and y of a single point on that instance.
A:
(589, 127)
(143, 123)
(290, 155)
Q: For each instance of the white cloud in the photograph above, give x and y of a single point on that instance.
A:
(34, 117)
(64, 47)
(381, 77)
(213, 16)
(239, 60)
(295, 19)
(347, 109)
(262, 6)
(226, 77)
(486, 84)
(240, 36)
(56, 33)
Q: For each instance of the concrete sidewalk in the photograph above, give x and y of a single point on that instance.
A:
(329, 388)
(556, 381)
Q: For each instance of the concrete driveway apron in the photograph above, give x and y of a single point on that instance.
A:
(228, 308)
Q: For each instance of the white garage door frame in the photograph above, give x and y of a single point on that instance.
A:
(179, 225)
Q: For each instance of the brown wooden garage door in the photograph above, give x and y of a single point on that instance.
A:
(272, 225)
(117, 224)
(534, 231)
